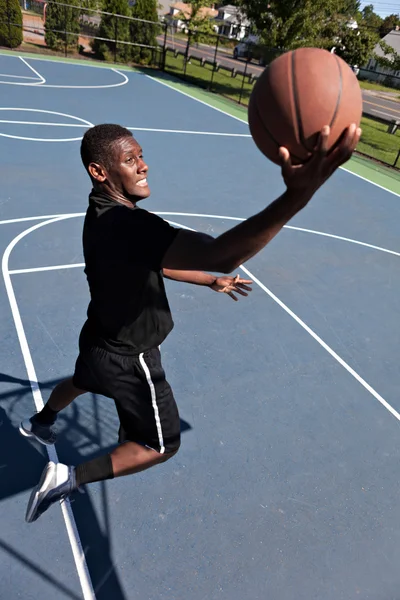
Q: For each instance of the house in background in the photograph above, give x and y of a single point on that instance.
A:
(374, 71)
(231, 22)
(181, 8)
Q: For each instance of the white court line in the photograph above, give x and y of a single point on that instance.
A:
(245, 135)
(9, 122)
(245, 122)
(18, 76)
(73, 535)
(124, 81)
(39, 218)
(67, 513)
(42, 82)
(83, 122)
(49, 124)
(201, 215)
(308, 329)
(52, 268)
(322, 233)
(33, 71)
(316, 337)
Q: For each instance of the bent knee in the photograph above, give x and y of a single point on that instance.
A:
(170, 451)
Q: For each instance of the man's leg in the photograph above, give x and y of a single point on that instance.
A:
(147, 412)
(40, 425)
(58, 481)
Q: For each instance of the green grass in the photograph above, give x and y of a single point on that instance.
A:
(369, 85)
(223, 83)
(375, 141)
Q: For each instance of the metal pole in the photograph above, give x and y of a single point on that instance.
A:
(9, 23)
(165, 47)
(397, 159)
(65, 30)
(214, 64)
(115, 37)
(244, 76)
(186, 53)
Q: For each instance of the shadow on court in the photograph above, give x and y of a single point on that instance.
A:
(22, 462)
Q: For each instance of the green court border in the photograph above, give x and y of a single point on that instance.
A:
(358, 165)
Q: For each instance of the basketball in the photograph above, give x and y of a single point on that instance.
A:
(296, 95)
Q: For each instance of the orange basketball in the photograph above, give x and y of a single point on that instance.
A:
(296, 95)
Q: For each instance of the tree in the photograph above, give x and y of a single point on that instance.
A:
(10, 23)
(195, 17)
(389, 24)
(391, 60)
(142, 32)
(113, 29)
(356, 46)
(62, 25)
(370, 19)
(288, 24)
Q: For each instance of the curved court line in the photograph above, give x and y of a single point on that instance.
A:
(83, 123)
(124, 81)
(321, 233)
(42, 81)
(300, 322)
(73, 535)
(39, 218)
(240, 135)
(245, 122)
(224, 217)
(314, 335)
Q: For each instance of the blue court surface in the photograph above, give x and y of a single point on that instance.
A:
(287, 483)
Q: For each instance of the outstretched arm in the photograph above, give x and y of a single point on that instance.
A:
(224, 254)
(227, 285)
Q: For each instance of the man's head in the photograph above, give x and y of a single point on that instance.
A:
(114, 161)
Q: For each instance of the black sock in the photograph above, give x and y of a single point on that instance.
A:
(97, 469)
(47, 416)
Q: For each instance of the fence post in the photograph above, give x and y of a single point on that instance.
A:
(214, 64)
(397, 159)
(165, 46)
(187, 53)
(244, 76)
(115, 37)
(65, 31)
(9, 23)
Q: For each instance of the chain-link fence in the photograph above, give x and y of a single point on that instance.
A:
(76, 30)
(215, 62)
(230, 69)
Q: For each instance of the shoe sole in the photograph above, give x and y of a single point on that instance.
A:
(29, 434)
(47, 474)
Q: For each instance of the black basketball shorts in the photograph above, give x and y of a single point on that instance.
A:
(145, 403)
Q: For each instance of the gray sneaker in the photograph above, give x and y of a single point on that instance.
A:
(44, 434)
(56, 483)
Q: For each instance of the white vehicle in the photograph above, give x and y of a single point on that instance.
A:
(249, 48)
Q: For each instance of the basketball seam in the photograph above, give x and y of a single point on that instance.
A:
(295, 92)
(335, 113)
(278, 145)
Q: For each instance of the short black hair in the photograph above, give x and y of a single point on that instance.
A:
(97, 143)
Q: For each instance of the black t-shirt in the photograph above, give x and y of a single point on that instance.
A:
(123, 248)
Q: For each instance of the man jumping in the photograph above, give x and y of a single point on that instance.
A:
(128, 251)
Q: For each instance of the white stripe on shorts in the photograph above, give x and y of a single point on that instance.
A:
(154, 402)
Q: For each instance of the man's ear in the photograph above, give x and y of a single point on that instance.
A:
(97, 172)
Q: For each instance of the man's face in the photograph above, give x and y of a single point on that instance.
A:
(127, 173)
